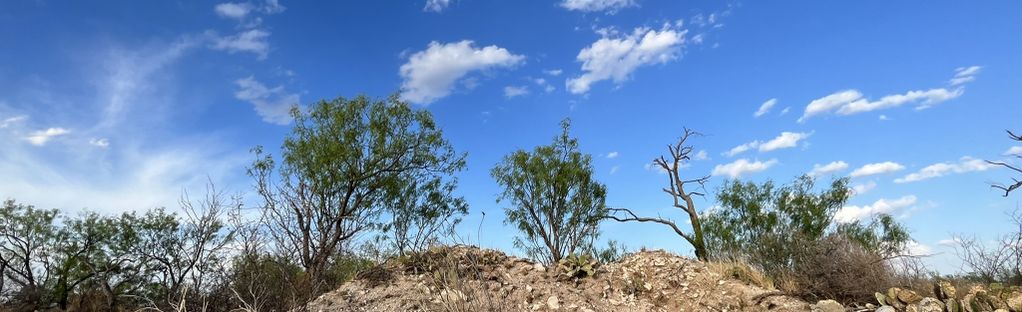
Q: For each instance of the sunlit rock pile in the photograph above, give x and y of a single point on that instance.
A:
(466, 278)
(993, 298)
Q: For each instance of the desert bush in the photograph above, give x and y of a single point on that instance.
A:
(789, 233)
(554, 200)
(838, 268)
(1000, 262)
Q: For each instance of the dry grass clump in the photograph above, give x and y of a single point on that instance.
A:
(741, 271)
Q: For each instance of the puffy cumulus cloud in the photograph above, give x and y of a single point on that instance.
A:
(965, 164)
(40, 137)
(830, 168)
(1014, 150)
(514, 91)
(863, 188)
(849, 214)
(431, 74)
(742, 167)
(233, 10)
(785, 140)
(850, 102)
(615, 57)
(253, 41)
(701, 155)
(612, 155)
(436, 5)
(272, 104)
(877, 168)
(242, 10)
(765, 108)
(610, 6)
(782, 141)
(964, 74)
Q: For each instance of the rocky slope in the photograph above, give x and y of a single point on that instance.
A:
(465, 278)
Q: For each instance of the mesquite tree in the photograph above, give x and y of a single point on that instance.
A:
(1007, 188)
(678, 188)
(554, 200)
(343, 162)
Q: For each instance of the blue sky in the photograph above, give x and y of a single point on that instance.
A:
(122, 105)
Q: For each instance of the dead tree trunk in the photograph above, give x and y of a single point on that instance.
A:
(682, 198)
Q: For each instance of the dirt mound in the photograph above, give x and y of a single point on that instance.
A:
(463, 278)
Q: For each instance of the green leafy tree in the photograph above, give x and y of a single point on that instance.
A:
(771, 226)
(554, 200)
(28, 240)
(343, 163)
(421, 214)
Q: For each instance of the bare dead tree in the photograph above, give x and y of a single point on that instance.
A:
(1007, 188)
(1000, 262)
(682, 198)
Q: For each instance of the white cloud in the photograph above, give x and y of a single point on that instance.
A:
(784, 140)
(101, 143)
(553, 72)
(877, 168)
(612, 155)
(741, 148)
(7, 122)
(615, 57)
(949, 242)
(610, 6)
(701, 155)
(233, 10)
(850, 102)
(785, 110)
(862, 188)
(513, 91)
(241, 10)
(252, 41)
(741, 167)
(1014, 150)
(272, 104)
(436, 5)
(964, 74)
(926, 99)
(965, 164)
(614, 169)
(39, 138)
(765, 108)
(832, 167)
(431, 74)
(849, 214)
(829, 102)
(915, 249)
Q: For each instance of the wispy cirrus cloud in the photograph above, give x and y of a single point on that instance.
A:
(784, 140)
(963, 165)
(851, 102)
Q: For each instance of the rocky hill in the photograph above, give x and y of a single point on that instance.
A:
(463, 278)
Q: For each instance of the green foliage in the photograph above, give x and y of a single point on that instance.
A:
(554, 200)
(577, 266)
(28, 245)
(770, 226)
(612, 253)
(345, 163)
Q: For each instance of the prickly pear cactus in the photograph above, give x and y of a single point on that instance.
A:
(575, 266)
